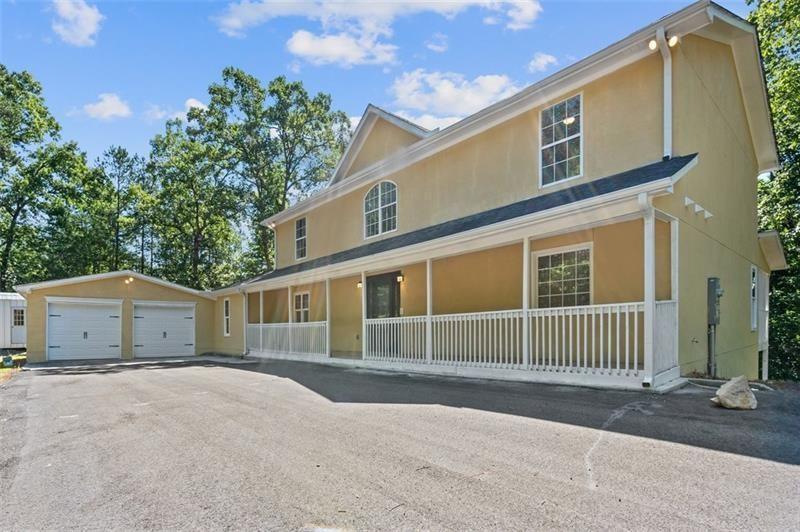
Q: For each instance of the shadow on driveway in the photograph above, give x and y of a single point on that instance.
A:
(686, 416)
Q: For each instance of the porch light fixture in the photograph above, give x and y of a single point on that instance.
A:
(359, 285)
(653, 45)
(672, 41)
(400, 278)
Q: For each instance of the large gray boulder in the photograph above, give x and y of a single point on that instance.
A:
(736, 393)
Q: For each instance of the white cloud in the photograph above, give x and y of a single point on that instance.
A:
(107, 107)
(77, 22)
(437, 43)
(354, 121)
(358, 30)
(541, 62)
(448, 93)
(342, 49)
(154, 112)
(429, 121)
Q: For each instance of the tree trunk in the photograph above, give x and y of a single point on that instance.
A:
(5, 260)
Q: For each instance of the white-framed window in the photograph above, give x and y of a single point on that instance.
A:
(564, 277)
(561, 141)
(302, 305)
(380, 209)
(18, 317)
(300, 239)
(753, 298)
(226, 316)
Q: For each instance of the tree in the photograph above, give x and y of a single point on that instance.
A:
(278, 141)
(124, 172)
(778, 24)
(198, 209)
(31, 158)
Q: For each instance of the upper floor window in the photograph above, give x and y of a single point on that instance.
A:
(226, 316)
(300, 238)
(561, 141)
(380, 209)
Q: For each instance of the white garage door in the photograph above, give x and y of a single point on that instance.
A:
(83, 330)
(163, 330)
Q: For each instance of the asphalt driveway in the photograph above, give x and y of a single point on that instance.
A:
(299, 446)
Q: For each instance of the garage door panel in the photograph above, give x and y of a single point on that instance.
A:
(163, 330)
(78, 331)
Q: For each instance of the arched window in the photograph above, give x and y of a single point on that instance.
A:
(380, 209)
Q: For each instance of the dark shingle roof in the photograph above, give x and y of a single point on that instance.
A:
(598, 187)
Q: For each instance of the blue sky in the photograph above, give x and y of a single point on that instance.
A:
(114, 72)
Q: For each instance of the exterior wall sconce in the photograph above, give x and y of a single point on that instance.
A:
(400, 278)
(359, 284)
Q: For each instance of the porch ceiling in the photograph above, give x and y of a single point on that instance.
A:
(623, 185)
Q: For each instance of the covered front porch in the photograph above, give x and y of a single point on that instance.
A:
(592, 305)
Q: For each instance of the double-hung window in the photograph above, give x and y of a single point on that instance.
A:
(561, 141)
(301, 307)
(226, 317)
(300, 239)
(380, 209)
(564, 278)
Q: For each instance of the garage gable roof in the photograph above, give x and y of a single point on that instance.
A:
(28, 288)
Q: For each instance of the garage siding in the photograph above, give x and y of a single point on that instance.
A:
(115, 288)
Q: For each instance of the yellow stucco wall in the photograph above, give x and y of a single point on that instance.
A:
(622, 116)
(115, 288)
(710, 119)
(384, 139)
(345, 315)
(233, 344)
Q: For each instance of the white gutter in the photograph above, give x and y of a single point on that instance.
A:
(666, 55)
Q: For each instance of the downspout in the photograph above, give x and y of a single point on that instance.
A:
(666, 55)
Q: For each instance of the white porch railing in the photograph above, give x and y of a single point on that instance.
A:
(665, 338)
(299, 338)
(592, 342)
(396, 339)
(478, 339)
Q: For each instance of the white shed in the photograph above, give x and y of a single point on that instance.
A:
(13, 320)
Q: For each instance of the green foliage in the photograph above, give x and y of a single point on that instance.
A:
(190, 213)
(778, 24)
(278, 142)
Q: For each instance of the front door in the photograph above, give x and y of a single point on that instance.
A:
(383, 296)
(18, 319)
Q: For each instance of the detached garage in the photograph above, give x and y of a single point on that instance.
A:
(120, 315)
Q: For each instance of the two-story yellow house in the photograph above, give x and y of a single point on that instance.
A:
(598, 228)
(565, 234)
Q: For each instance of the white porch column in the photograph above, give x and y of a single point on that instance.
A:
(649, 292)
(289, 314)
(244, 321)
(261, 320)
(328, 316)
(428, 312)
(363, 315)
(526, 301)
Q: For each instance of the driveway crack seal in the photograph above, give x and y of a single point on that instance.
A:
(619, 413)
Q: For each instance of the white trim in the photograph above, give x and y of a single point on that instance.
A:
(753, 296)
(526, 298)
(363, 314)
(428, 310)
(328, 316)
(570, 79)
(149, 303)
(589, 245)
(28, 288)
(380, 210)
(666, 58)
(565, 139)
(649, 289)
(226, 317)
(304, 238)
(83, 300)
